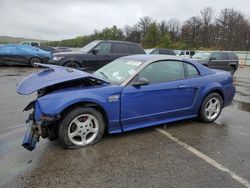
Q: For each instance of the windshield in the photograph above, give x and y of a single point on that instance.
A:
(118, 70)
(89, 46)
(201, 55)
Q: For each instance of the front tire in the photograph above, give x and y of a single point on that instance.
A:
(72, 64)
(211, 108)
(81, 127)
(232, 70)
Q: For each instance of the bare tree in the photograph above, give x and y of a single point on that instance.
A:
(207, 17)
(163, 27)
(144, 23)
(174, 27)
(132, 34)
(233, 27)
(191, 32)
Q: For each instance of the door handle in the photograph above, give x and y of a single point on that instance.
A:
(181, 86)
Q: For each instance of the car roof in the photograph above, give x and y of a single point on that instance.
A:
(147, 59)
(118, 41)
(152, 57)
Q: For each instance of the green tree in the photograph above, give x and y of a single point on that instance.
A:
(165, 41)
(152, 36)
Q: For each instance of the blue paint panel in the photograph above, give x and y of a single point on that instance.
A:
(154, 102)
(129, 107)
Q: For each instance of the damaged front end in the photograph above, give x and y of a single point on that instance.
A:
(38, 125)
(51, 84)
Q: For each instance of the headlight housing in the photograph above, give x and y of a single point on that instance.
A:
(57, 58)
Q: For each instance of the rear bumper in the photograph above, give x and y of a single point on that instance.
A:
(229, 95)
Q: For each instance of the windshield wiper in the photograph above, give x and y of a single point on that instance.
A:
(103, 74)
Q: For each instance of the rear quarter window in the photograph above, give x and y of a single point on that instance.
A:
(191, 70)
(233, 56)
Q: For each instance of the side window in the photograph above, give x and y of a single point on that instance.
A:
(163, 71)
(119, 48)
(164, 52)
(187, 53)
(34, 44)
(155, 52)
(233, 56)
(191, 70)
(135, 49)
(216, 56)
(224, 56)
(104, 48)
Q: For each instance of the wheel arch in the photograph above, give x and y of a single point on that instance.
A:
(219, 91)
(212, 90)
(75, 61)
(35, 57)
(86, 104)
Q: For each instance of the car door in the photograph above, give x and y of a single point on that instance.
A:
(167, 96)
(215, 61)
(98, 57)
(224, 60)
(12, 55)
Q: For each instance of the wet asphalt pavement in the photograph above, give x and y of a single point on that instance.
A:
(142, 158)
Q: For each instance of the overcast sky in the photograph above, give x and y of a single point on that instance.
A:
(60, 19)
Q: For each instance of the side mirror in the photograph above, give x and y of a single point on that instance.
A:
(212, 58)
(95, 51)
(141, 82)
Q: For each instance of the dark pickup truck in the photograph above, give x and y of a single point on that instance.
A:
(218, 60)
(96, 54)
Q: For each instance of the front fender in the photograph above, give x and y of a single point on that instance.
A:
(53, 104)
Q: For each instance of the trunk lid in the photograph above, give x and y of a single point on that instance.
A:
(52, 75)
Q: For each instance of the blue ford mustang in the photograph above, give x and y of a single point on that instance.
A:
(17, 54)
(129, 93)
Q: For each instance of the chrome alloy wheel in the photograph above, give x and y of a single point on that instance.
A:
(83, 129)
(212, 108)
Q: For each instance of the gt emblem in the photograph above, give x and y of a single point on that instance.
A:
(113, 98)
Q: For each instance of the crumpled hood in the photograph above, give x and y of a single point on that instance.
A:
(47, 77)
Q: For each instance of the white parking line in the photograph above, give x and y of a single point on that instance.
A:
(205, 158)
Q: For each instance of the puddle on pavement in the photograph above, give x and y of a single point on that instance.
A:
(244, 106)
(10, 75)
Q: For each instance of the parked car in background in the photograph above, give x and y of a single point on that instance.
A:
(218, 60)
(96, 54)
(31, 43)
(177, 52)
(160, 51)
(63, 49)
(129, 93)
(17, 54)
(187, 53)
(49, 49)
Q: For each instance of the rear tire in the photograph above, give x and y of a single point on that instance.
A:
(211, 108)
(81, 127)
(72, 64)
(35, 60)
